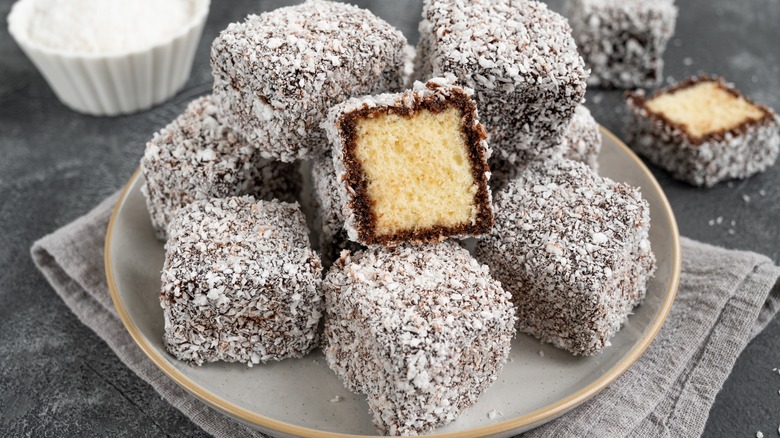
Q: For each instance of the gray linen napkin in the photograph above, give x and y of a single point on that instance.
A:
(725, 299)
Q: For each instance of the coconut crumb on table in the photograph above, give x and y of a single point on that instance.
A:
(494, 413)
(336, 399)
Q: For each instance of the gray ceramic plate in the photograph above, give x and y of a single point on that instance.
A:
(293, 397)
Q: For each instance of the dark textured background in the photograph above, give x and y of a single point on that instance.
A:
(57, 378)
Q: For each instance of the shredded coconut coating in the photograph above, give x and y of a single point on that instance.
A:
(277, 73)
(732, 155)
(196, 157)
(441, 88)
(622, 41)
(582, 139)
(573, 250)
(332, 237)
(421, 330)
(581, 142)
(521, 60)
(240, 283)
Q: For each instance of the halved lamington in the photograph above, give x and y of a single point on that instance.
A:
(412, 166)
(328, 212)
(703, 131)
(197, 157)
(622, 41)
(423, 331)
(276, 74)
(240, 282)
(573, 250)
(521, 60)
(581, 142)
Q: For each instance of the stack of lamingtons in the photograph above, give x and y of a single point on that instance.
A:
(413, 320)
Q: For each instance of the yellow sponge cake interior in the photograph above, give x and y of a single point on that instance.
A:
(705, 108)
(418, 170)
(416, 165)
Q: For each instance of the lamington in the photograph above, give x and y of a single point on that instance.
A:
(276, 74)
(703, 131)
(622, 41)
(581, 142)
(423, 331)
(197, 157)
(332, 236)
(521, 60)
(240, 282)
(411, 166)
(573, 250)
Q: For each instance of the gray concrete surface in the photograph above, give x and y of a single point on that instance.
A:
(59, 379)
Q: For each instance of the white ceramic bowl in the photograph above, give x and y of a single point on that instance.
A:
(109, 84)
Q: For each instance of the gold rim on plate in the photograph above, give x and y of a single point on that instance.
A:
(537, 417)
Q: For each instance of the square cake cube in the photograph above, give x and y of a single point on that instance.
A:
(276, 74)
(240, 282)
(412, 166)
(520, 59)
(423, 331)
(573, 250)
(622, 41)
(197, 157)
(703, 131)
